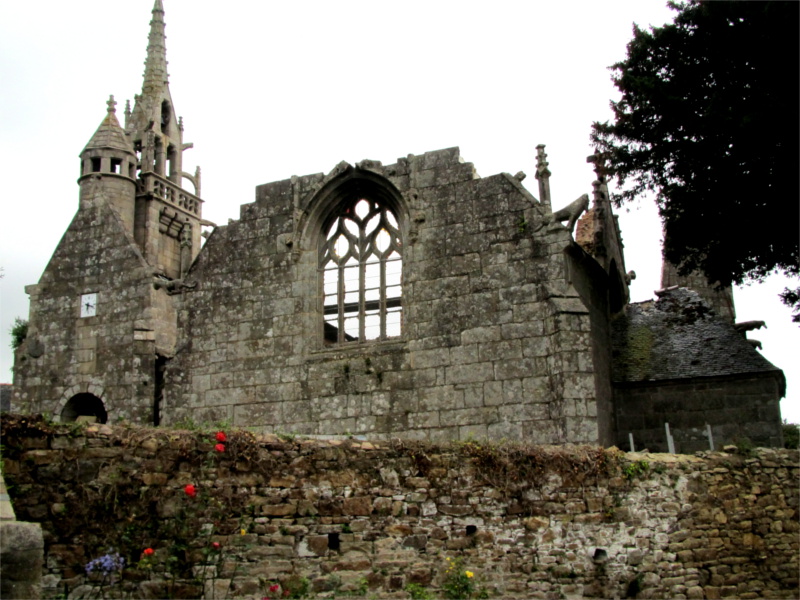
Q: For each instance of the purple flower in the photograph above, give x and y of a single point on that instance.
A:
(106, 564)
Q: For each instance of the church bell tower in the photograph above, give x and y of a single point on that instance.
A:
(167, 217)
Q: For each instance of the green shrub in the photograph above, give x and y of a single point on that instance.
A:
(418, 592)
(791, 435)
(19, 331)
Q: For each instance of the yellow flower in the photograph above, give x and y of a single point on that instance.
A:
(244, 531)
(469, 574)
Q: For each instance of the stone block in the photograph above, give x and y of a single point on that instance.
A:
(21, 559)
(279, 510)
(361, 506)
(472, 373)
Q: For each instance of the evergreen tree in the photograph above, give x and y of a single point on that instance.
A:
(708, 121)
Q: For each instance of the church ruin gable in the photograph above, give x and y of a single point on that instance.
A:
(415, 300)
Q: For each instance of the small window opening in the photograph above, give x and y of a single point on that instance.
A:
(165, 116)
(361, 262)
(169, 169)
(95, 165)
(471, 530)
(333, 541)
(116, 166)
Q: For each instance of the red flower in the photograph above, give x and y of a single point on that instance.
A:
(190, 490)
(220, 447)
(221, 437)
(215, 545)
(274, 588)
(148, 552)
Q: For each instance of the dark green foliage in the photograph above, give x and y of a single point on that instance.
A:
(708, 121)
(792, 298)
(19, 331)
(791, 435)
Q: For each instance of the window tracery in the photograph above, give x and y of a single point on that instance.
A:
(361, 266)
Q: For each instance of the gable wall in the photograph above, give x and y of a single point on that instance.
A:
(110, 355)
(492, 345)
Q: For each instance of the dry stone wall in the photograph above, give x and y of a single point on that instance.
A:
(349, 517)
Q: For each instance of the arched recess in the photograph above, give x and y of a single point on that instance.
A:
(84, 405)
(356, 226)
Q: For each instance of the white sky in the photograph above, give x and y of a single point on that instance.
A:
(273, 89)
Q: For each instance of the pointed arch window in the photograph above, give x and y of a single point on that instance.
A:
(361, 266)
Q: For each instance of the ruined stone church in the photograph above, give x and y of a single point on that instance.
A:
(413, 300)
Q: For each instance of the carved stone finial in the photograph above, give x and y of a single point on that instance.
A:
(543, 175)
(541, 162)
(111, 104)
(599, 160)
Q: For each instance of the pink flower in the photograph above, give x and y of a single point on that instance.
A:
(221, 437)
(190, 490)
(220, 447)
(215, 545)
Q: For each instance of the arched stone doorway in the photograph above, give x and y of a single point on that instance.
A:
(84, 405)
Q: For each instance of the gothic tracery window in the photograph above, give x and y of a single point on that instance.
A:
(361, 263)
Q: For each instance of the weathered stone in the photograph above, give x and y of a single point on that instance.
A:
(357, 506)
(536, 523)
(455, 510)
(279, 510)
(542, 537)
(154, 478)
(21, 559)
(416, 541)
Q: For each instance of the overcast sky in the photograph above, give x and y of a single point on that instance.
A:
(268, 90)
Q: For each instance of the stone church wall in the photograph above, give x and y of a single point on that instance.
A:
(350, 517)
(495, 339)
(110, 355)
(744, 409)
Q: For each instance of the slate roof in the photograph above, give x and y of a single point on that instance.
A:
(678, 336)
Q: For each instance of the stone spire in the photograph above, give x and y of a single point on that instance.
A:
(153, 125)
(155, 66)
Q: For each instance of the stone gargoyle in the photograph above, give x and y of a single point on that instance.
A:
(570, 213)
